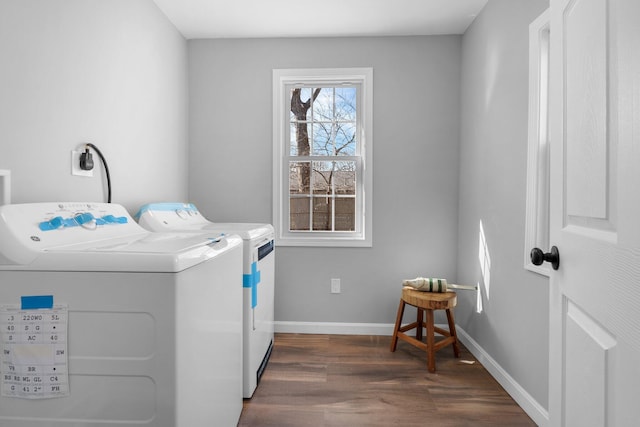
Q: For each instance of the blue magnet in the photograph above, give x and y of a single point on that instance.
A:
(35, 302)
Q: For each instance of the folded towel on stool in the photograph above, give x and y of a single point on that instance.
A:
(427, 285)
(424, 284)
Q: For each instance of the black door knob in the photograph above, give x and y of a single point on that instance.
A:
(538, 257)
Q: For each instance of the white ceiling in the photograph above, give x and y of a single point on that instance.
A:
(326, 18)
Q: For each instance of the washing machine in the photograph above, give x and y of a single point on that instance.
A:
(104, 323)
(258, 276)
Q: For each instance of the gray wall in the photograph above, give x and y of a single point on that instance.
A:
(108, 72)
(115, 73)
(513, 326)
(415, 151)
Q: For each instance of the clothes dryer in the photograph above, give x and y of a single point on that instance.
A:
(258, 276)
(148, 328)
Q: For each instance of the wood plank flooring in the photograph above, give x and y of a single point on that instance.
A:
(346, 380)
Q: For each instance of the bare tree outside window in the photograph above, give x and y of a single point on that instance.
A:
(323, 142)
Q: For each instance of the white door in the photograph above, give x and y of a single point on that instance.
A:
(595, 213)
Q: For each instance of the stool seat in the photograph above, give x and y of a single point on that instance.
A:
(426, 303)
(429, 300)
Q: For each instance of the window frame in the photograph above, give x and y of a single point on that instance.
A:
(328, 77)
(538, 167)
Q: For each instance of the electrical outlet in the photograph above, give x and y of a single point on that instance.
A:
(335, 286)
(75, 165)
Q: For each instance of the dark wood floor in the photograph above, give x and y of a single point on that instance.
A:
(345, 380)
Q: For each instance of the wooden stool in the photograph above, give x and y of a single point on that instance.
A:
(427, 302)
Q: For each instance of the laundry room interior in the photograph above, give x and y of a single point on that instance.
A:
(190, 119)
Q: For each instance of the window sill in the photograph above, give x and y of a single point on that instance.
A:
(336, 242)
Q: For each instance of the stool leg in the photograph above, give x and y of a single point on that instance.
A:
(431, 353)
(420, 322)
(452, 331)
(394, 339)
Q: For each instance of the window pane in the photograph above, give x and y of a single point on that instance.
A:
(322, 214)
(298, 97)
(322, 139)
(299, 177)
(345, 214)
(299, 137)
(346, 103)
(346, 139)
(345, 178)
(299, 214)
(322, 177)
(323, 105)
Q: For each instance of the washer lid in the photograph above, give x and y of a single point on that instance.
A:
(155, 252)
(96, 237)
(247, 231)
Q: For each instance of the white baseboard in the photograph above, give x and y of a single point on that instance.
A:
(537, 413)
(334, 328)
(531, 406)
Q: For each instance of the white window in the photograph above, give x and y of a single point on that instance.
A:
(322, 156)
(537, 213)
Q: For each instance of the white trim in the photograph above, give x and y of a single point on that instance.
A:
(334, 328)
(5, 187)
(537, 195)
(536, 411)
(363, 77)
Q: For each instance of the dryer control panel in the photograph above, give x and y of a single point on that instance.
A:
(171, 216)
